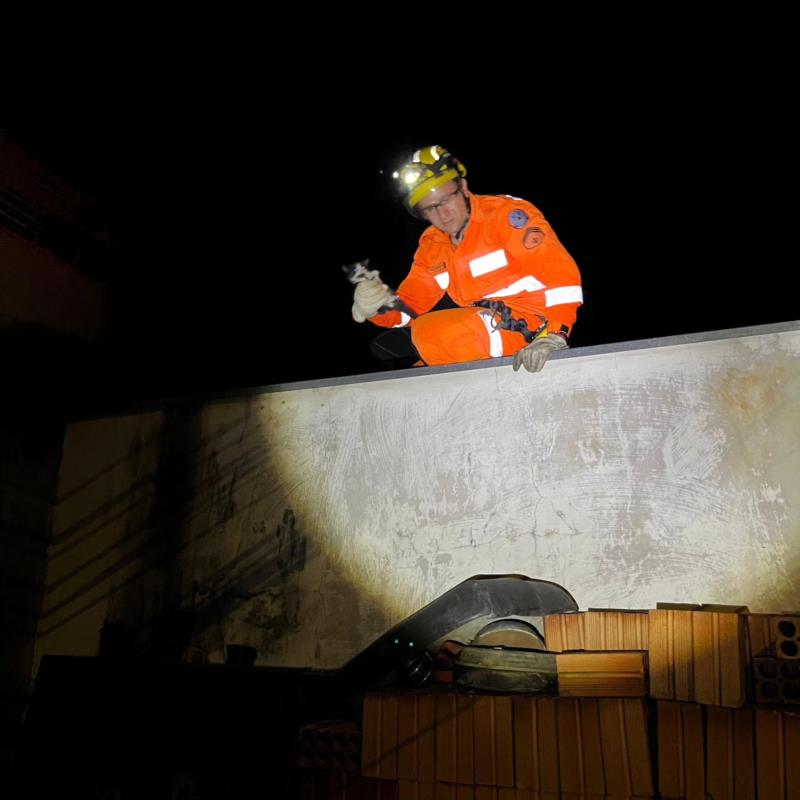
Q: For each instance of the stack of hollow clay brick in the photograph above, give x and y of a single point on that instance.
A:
(666, 703)
(717, 735)
(441, 745)
(726, 723)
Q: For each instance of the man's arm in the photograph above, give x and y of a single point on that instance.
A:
(544, 274)
(542, 286)
(420, 290)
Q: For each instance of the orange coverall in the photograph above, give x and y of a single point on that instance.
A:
(510, 253)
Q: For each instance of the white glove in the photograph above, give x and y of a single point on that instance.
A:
(369, 296)
(537, 352)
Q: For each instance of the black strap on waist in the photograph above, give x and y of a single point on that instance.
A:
(509, 323)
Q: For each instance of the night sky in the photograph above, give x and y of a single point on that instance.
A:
(232, 214)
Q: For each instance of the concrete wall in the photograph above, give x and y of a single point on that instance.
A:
(305, 520)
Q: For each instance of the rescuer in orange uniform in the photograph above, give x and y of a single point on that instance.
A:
(496, 256)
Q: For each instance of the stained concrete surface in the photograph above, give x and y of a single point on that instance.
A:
(305, 521)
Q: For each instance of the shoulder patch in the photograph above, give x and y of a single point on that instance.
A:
(517, 218)
(533, 237)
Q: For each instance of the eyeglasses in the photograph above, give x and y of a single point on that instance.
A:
(445, 201)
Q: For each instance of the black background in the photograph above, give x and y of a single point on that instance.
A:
(234, 196)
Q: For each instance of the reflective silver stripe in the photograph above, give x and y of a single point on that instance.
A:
(526, 284)
(488, 263)
(443, 279)
(564, 294)
(404, 320)
(495, 340)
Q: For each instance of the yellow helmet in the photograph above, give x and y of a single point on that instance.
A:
(428, 169)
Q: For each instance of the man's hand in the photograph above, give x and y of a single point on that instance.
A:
(369, 296)
(537, 352)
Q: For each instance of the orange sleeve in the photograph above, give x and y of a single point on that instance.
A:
(535, 250)
(419, 291)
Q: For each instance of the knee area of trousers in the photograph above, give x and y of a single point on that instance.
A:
(422, 329)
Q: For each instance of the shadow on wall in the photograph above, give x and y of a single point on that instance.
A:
(203, 533)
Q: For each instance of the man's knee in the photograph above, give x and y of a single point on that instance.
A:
(449, 336)
(432, 328)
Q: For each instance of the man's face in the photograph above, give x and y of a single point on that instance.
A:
(446, 207)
